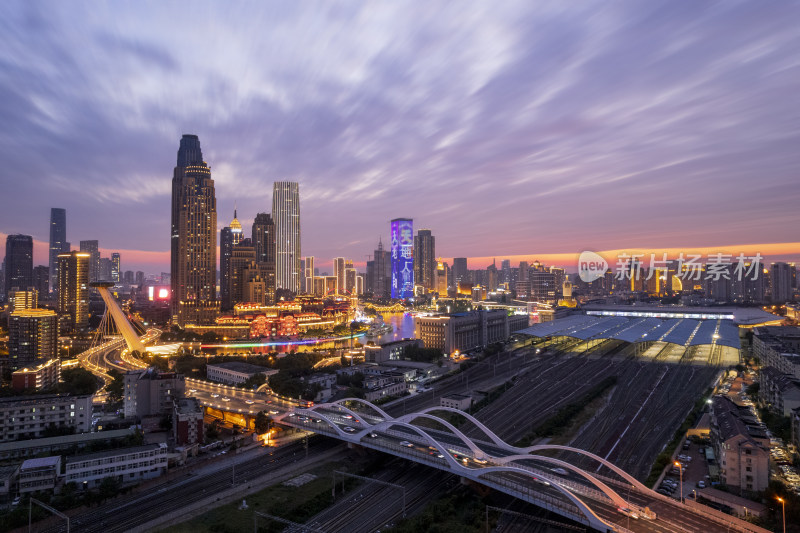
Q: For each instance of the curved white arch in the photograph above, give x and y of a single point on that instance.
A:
(633, 481)
(488, 432)
(582, 507)
(477, 452)
(375, 408)
(355, 415)
(608, 491)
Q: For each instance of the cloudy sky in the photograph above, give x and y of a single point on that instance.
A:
(507, 128)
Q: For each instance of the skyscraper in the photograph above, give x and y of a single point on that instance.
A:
(73, 288)
(339, 273)
(93, 249)
(58, 241)
(308, 274)
(229, 237)
(402, 239)
(382, 272)
(19, 262)
(41, 280)
(193, 272)
(460, 271)
(286, 213)
(782, 275)
(425, 259)
(32, 335)
(263, 235)
(115, 267)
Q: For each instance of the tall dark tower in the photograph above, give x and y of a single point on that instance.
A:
(229, 237)
(194, 238)
(424, 258)
(19, 263)
(58, 242)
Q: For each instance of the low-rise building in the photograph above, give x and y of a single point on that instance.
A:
(391, 351)
(8, 479)
(461, 402)
(741, 447)
(44, 374)
(781, 392)
(235, 372)
(187, 422)
(461, 332)
(778, 347)
(39, 474)
(20, 449)
(27, 417)
(151, 392)
(128, 465)
(389, 389)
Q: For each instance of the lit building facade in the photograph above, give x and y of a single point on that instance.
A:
(425, 259)
(229, 237)
(58, 242)
(115, 267)
(32, 335)
(93, 249)
(73, 288)
(41, 376)
(402, 239)
(193, 273)
(27, 417)
(286, 214)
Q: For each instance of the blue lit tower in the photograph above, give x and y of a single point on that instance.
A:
(402, 240)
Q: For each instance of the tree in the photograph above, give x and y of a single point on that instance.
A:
(78, 381)
(254, 381)
(109, 487)
(116, 388)
(212, 431)
(262, 423)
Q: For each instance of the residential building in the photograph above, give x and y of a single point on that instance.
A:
(382, 273)
(150, 392)
(741, 447)
(286, 215)
(780, 391)
(19, 263)
(778, 347)
(93, 249)
(187, 422)
(73, 289)
(115, 267)
(8, 479)
(27, 417)
(128, 465)
(32, 336)
(41, 280)
(193, 271)
(235, 372)
(782, 276)
(58, 243)
(47, 445)
(39, 474)
(20, 299)
(39, 376)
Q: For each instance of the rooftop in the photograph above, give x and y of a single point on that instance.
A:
(114, 453)
(41, 462)
(244, 368)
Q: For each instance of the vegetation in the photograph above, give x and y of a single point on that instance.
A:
(78, 381)
(560, 421)
(262, 423)
(422, 355)
(460, 512)
(116, 388)
(780, 426)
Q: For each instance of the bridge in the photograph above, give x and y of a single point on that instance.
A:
(604, 497)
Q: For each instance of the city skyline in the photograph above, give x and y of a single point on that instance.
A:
(513, 132)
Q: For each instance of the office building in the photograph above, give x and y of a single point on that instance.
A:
(402, 258)
(460, 271)
(150, 392)
(308, 274)
(425, 259)
(441, 278)
(41, 280)
(783, 277)
(350, 277)
(382, 273)
(339, 273)
(127, 278)
(104, 272)
(461, 332)
(286, 215)
(115, 267)
(73, 289)
(58, 242)
(263, 237)
(229, 237)
(19, 263)
(32, 335)
(193, 271)
(235, 372)
(27, 417)
(139, 278)
(243, 255)
(93, 249)
(128, 465)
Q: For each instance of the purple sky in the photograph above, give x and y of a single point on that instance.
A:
(508, 128)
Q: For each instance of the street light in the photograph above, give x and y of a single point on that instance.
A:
(783, 505)
(680, 470)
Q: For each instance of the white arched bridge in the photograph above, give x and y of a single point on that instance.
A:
(604, 499)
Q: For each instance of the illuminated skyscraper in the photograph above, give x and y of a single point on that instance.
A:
(425, 259)
(58, 241)
(339, 273)
(19, 262)
(229, 237)
(115, 267)
(286, 214)
(32, 335)
(193, 273)
(308, 274)
(73, 288)
(263, 236)
(402, 239)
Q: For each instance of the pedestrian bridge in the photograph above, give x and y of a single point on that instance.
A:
(604, 497)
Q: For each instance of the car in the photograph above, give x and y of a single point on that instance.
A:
(274, 412)
(559, 471)
(406, 444)
(373, 435)
(440, 456)
(214, 395)
(628, 512)
(225, 399)
(302, 418)
(348, 417)
(16, 501)
(349, 429)
(542, 481)
(249, 402)
(479, 461)
(663, 491)
(192, 390)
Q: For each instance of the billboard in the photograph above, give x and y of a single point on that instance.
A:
(402, 239)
